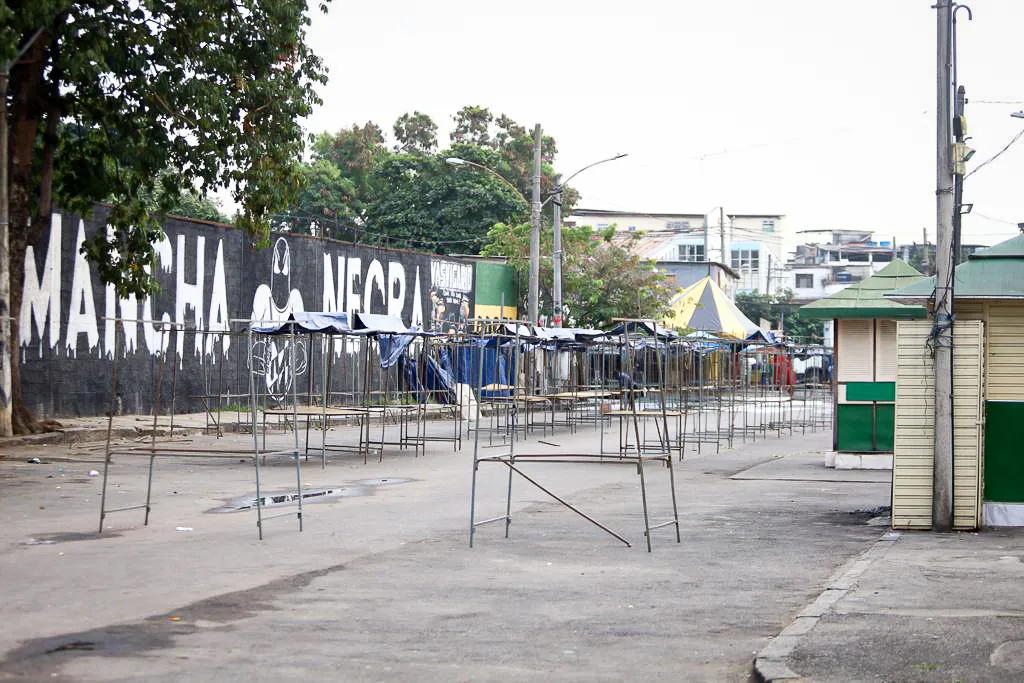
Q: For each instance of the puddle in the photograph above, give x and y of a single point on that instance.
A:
(272, 500)
(357, 489)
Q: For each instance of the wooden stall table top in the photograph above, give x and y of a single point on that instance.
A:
(313, 411)
(584, 395)
(643, 413)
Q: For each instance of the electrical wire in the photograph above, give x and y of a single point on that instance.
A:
(996, 155)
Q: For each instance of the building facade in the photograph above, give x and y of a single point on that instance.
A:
(750, 245)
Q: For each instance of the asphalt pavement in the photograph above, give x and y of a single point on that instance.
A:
(381, 584)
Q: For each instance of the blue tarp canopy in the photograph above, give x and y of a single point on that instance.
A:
(765, 337)
(637, 327)
(303, 322)
(306, 322)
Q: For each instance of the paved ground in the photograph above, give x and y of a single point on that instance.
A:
(382, 585)
(929, 608)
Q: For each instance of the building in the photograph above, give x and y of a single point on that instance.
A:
(748, 244)
(865, 363)
(988, 386)
(686, 273)
(821, 269)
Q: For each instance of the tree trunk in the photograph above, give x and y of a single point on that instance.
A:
(27, 109)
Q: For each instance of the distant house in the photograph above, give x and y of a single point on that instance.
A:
(753, 242)
(842, 258)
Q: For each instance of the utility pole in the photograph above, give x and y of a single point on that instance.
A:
(556, 238)
(721, 230)
(942, 336)
(534, 294)
(707, 246)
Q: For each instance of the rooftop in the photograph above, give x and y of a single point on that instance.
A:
(993, 273)
(866, 299)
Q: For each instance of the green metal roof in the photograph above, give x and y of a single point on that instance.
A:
(866, 298)
(993, 273)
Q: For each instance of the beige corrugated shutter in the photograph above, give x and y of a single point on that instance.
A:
(915, 426)
(1005, 341)
(856, 351)
(968, 422)
(885, 351)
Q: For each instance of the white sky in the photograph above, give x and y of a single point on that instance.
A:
(821, 110)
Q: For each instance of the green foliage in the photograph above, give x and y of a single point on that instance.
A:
(472, 126)
(212, 90)
(600, 280)
(415, 133)
(356, 188)
(170, 196)
(779, 308)
(432, 205)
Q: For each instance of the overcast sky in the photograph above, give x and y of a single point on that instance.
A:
(821, 110)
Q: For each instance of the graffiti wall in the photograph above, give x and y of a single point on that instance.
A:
(212, 282)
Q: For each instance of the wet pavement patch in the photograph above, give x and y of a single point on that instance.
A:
(66, 537)
(73, 645)
(860, 516)
(357, 489)
(35, 660)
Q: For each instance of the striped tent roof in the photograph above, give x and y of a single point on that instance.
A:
(704, 306)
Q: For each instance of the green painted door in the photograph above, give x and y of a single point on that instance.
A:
(885, 426)
(856, 427)
(1004, 458)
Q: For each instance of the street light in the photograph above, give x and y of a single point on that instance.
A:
(556, 195)
(556, 192)
(456, 161)
(1018, 114)
(534, 219)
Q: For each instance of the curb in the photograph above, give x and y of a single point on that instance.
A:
(770, 663)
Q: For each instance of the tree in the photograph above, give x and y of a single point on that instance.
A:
(600, 280)
(416, 133)
(472, 126)
(326, 204)
(410, 197)
(109, 94)
(167, 197)
(424, 203)
(779, 309)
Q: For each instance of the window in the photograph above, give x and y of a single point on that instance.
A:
(804, 281)
(677, 225)
(746, 259)
(881, 258)
(691, 252)
(768, 225)
(631, 228)
(855, 257)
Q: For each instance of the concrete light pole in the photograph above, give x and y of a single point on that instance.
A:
(556, 248)
(534, 293)
(942, 335)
